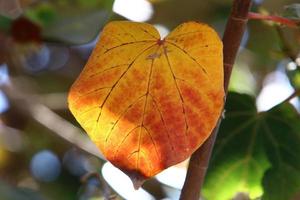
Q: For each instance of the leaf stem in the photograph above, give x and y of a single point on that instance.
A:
(231, 41)
(274, 18)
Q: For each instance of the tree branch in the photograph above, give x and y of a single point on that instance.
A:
(292, 96)
(231, 41)
(284, 21)
(46, 117)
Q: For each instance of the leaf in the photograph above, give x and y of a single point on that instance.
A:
(254, 150)
(283, 150)
(76, 24)
(238, 161)
(284, 180)
(294, 77)
(149, 103)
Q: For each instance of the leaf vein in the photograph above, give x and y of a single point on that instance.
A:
(179, 93)
(187, 54)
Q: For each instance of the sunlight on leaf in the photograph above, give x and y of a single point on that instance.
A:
(254, 151)
(149, 103)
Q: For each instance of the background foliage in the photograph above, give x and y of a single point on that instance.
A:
(45, 155)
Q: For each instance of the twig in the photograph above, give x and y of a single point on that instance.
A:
(274, 18)
(292, 96)
(52, 121)
(231, 40)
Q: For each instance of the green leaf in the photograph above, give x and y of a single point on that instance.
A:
(294, 77)
(252, 147)
(238, 161)
(282, 144)
(285, 181)
(71, 22)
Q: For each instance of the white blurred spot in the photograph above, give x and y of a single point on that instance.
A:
(163, 31)
(4, 104)
(135, 10)
(4, 77)
(298, 61)
(122, 184)
(38, 60)
(291, 66)
(173, 176)
(276, 89)
(45, 166)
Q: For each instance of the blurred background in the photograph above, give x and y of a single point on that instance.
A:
(44, 44)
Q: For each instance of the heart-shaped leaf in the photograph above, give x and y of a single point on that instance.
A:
(149, 103)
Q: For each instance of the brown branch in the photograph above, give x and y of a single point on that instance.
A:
(295, 94)
(284, 21)
(231, 41)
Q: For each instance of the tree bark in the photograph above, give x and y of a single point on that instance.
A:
(199, 161)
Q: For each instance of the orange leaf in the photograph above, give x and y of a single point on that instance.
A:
(149, 103)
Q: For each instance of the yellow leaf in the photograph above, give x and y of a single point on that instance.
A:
(149, 103)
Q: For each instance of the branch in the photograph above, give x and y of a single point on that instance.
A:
(231, 41)
(49, 119)
(295, 94)
(285, 21)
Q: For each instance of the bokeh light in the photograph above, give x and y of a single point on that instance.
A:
(275, 90)
(37, 60)
(135, 10)
(122, 184)
(75, 162)
(163, 30)
(4, 103)
(4, 76)
(45, 166)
